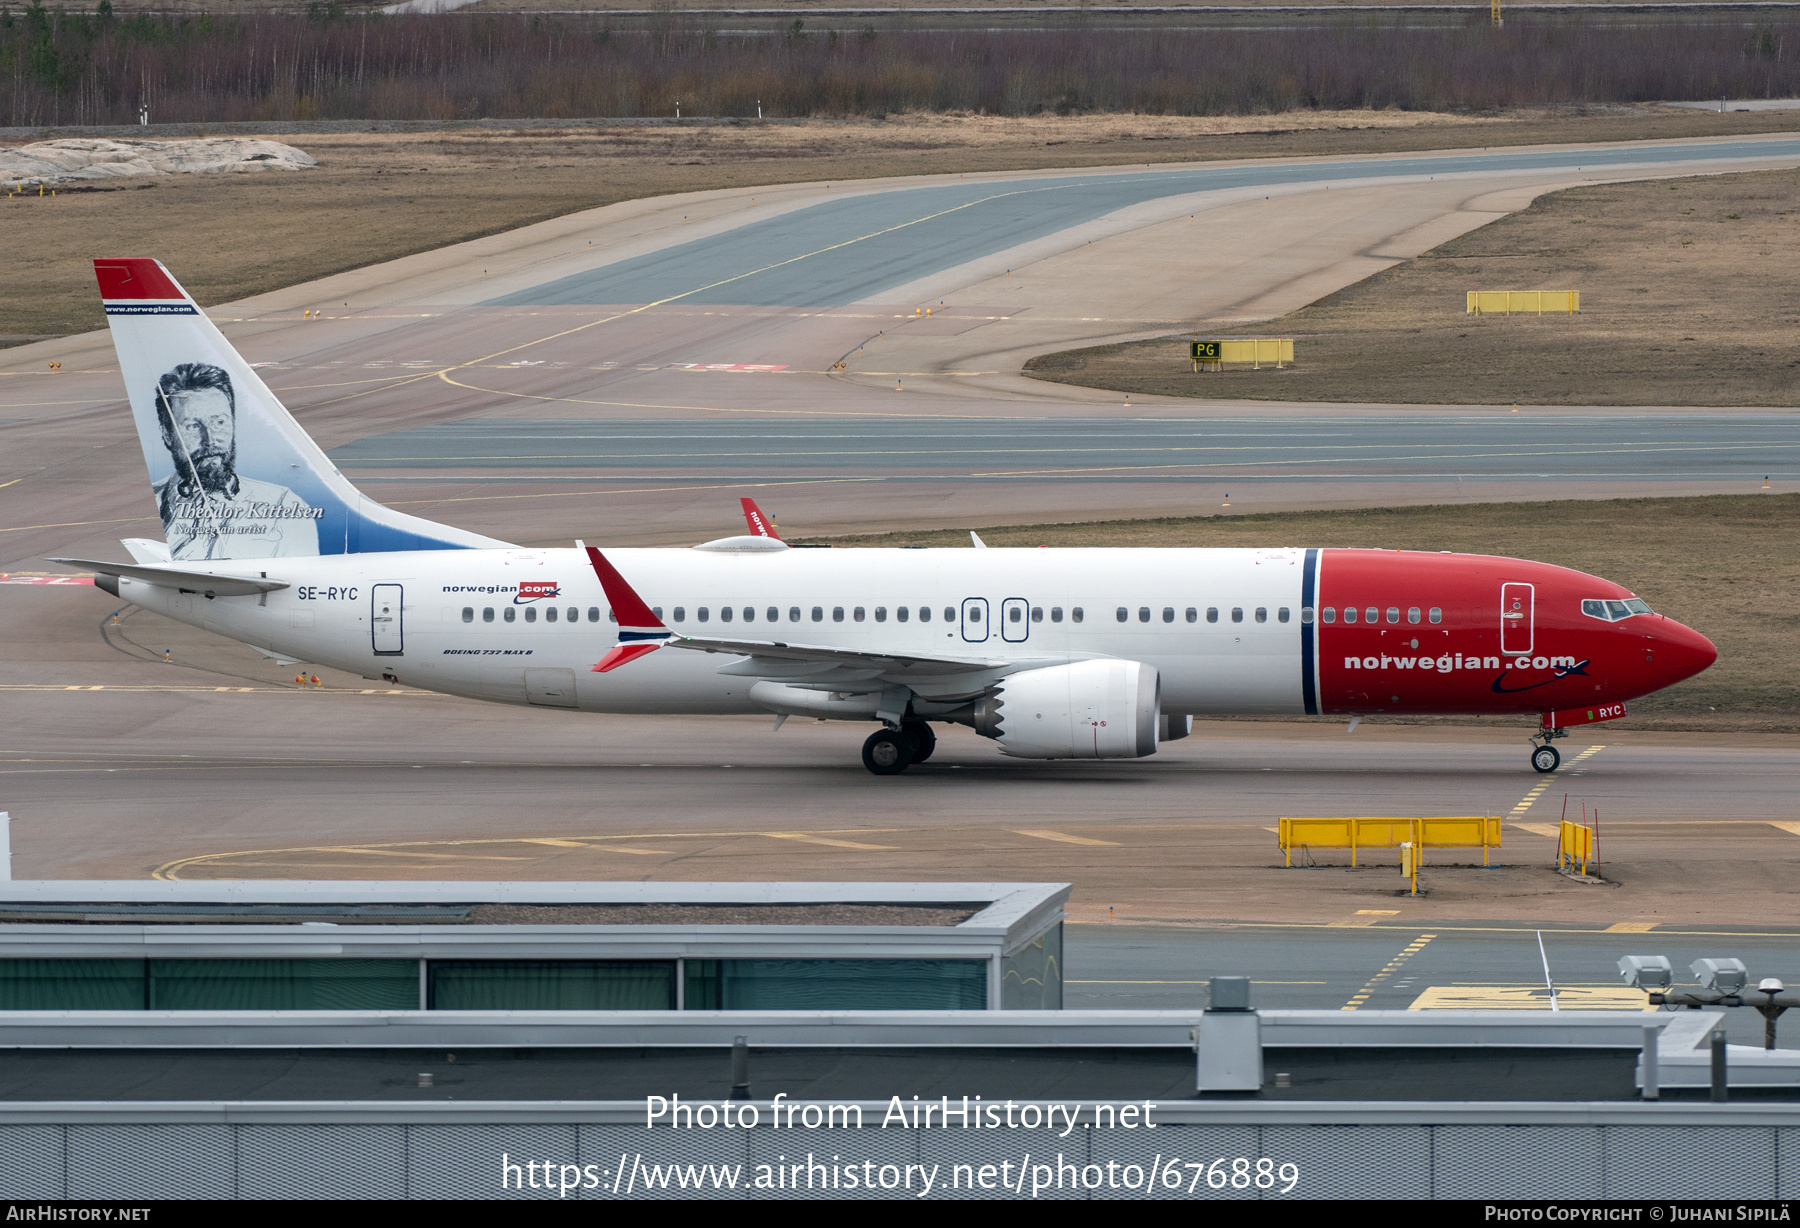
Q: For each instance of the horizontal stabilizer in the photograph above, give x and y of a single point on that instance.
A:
(143, 550)
(201, 582)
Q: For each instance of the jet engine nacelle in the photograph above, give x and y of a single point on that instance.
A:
(1088, 710)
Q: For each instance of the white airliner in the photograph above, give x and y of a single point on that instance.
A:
(1091, 654)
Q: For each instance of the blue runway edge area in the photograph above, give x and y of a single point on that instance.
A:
(843, 251)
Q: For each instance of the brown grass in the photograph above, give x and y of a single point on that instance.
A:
(1721, 564)
(1686, 299)
(377, 196)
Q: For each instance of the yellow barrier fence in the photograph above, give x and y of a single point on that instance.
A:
(1577, 845)
(1523, 302)
(1443, 832)
(1213, 355)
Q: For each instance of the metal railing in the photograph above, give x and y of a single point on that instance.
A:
(1437, 831)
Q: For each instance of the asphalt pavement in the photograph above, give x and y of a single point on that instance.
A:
(1457, 965)
(1572, 448)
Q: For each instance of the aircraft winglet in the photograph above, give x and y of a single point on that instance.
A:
(641, 632)
(758, 520)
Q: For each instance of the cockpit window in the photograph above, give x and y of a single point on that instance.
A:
(1613, 611)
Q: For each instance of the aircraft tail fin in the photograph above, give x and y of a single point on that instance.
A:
(758, 520)
(235, 476)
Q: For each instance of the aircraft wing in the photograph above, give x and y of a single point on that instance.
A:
(776, 655)
(641, 633)
(203, 582)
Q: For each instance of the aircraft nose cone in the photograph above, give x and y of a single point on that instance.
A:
(1680, 652)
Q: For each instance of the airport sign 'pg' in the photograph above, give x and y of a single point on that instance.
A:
(1204, 351)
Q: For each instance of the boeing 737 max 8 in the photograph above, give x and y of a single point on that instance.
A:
(1094, 653)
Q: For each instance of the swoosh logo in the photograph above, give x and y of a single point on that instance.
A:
(1578, 670)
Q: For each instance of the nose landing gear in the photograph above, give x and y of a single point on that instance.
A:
(1545, 758)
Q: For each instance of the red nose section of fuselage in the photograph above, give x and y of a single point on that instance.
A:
(1674, 653)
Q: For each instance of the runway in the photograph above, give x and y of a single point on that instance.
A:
(858, 249)
(738, 306)
(1660, 449)
(482, 386)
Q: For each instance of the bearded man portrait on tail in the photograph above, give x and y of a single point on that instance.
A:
(209, 510)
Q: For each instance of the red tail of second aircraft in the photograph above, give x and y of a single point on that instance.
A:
(760, 524)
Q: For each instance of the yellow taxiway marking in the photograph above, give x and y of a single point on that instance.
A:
(1540, 829)
(609, 848)
(72, 524)
(1365, 916)
(1526, 801)
(804, 838)
(289, 866)
(488, 359)
(1066, 981)
(638, 490)
(1041, 833)
(1631, 927)
(783, 410)
(369, 852)
(1361, 996)
(170, 871)
(1531, 998)
(1787, 825)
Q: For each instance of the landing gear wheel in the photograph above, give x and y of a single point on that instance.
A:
(1544, 759)
(923, 740)
(888, 752)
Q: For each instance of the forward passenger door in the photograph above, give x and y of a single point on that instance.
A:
(1515, 619)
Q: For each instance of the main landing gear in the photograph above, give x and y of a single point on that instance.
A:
(1545, 758)
(888, 752)
(923, 740)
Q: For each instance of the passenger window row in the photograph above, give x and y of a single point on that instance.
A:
(1373, 614)
(903, 614)
(551, 614)
(1261, 614)
(795, 614)
(838, 614)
